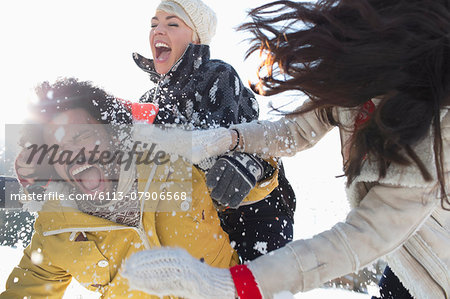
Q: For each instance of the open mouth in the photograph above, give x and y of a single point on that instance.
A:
(162, 51)
(89, 178)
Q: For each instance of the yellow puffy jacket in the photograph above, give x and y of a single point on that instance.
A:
(68, 243)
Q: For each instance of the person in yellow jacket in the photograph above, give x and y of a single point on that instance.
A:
(89, 239)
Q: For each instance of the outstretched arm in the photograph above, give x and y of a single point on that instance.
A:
(301, 265)
(285, 137)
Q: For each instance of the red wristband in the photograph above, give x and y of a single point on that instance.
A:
(245, 282)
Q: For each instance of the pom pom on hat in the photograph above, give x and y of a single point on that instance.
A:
(201, 15)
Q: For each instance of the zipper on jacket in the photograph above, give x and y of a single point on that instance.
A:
(140, 231)
(140, 228)
(156, 91)
(83, 229)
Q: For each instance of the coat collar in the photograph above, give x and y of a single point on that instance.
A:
(65, 216)
(192, 58)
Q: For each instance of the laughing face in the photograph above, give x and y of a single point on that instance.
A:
(169, 38)
(73, 131)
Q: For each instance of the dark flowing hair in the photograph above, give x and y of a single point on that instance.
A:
(346, 52)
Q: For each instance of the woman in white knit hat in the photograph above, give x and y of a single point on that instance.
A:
(175, 25)
(193, 90)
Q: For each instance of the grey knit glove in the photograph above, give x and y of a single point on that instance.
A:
(173, 271)
(232, 177)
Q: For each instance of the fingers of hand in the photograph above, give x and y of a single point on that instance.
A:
(225, 184)
(215, 173)
(240, 193)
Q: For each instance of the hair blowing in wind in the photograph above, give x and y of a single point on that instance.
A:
(345, 53)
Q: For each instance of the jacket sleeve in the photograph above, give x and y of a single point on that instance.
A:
(226, 101)
(284, 137)
(390, 214)
(386, 218)
(38, 279)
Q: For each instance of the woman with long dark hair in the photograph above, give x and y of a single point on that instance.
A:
(380, 71)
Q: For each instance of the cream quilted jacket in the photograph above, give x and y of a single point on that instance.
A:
(398, 218)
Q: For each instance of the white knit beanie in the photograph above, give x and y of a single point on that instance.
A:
(201, 16)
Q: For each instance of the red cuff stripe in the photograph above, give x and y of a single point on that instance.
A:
(245, 282)
(145, 112)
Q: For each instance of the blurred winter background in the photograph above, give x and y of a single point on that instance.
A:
(93, 40)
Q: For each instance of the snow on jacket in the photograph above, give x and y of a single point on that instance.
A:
(68, 243)
(199, 91)
(398, 217)
(204, 93)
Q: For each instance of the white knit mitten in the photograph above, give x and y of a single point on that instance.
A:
(210, 143)
(173, 271)
(194, 145)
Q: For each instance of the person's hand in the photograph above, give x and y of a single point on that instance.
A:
(26, 172)
(32, 173)
(170, 271)
(232, 178)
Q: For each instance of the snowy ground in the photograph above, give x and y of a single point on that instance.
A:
(320, 204)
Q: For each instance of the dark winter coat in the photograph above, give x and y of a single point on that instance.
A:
(199, 91)
(205, 93)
